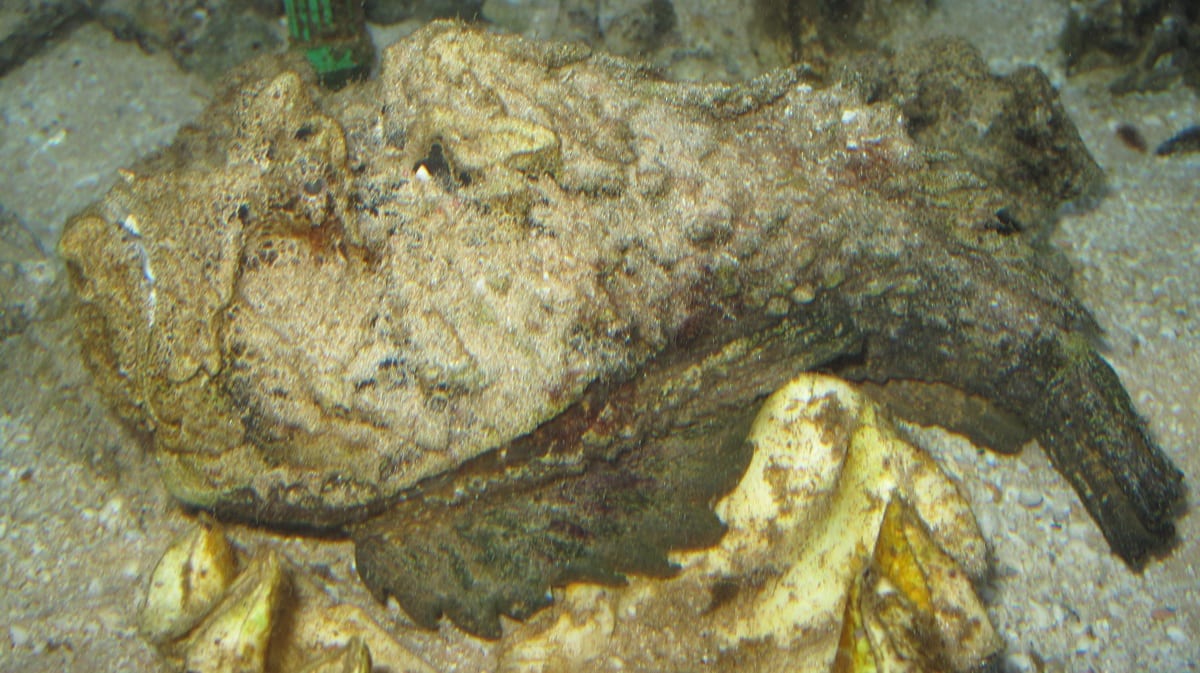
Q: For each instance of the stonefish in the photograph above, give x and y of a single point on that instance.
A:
(505, 313)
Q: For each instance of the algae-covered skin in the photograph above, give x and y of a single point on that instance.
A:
(526, 299)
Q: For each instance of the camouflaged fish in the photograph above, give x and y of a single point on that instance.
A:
(504, 313)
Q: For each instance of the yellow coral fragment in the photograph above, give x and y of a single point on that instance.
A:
(186, 583)
(269, 619)
(900, 542)
(812, 503)
(908, 610)
(235, 637)
(854, 654)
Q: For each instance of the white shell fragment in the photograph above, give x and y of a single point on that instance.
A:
(804, 528)
(236, 635)
(912, 608)
(269, 619)
(188, 581)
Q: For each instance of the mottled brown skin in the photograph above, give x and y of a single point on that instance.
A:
(518, 302)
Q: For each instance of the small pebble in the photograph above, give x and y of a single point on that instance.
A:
(1162, 614)
(110, 514)
(131, 570)
(1061, 516)
(1176, 635)
(1019, 662)
(1131, 136)
(1078, 532)
(1083, 645)
(19, 635)
(1029, 497)
(1081, 551)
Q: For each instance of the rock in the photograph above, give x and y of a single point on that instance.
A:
(26, 26)
(85, 108)
(27, 275)
(207, 37)
(1029, 498)
(1154, 41)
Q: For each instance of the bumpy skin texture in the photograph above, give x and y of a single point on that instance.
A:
(531, 259)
